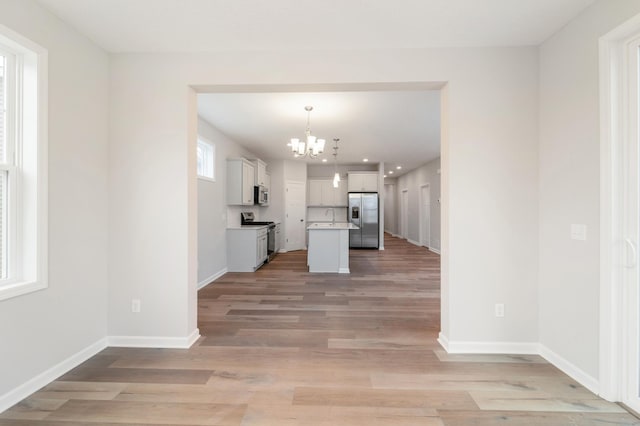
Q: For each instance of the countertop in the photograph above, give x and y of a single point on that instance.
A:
(327, 226)
(248, 227)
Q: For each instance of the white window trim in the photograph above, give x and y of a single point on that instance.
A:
(30, 217)
(213, 147)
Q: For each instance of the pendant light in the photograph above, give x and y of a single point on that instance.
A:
(310, 146)
(336, 176)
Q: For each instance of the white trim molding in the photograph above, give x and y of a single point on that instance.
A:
(29, 209)
(435, 250)
(21, 392)
(569, 369)
(520, 348)
(154, 341)
(212, 278)
(415, 243)
(444, 341)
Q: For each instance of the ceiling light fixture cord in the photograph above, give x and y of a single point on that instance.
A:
(336, 176)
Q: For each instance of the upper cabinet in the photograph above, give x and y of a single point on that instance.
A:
(241, 177)
(261, 172)
(363, 181)
(322, 193)
(267, 181)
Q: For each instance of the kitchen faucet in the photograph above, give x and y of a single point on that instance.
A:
(333, 214)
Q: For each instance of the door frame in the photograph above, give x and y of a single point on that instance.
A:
(287, 231)
(618, 359)
(422, 214)
(404, 214)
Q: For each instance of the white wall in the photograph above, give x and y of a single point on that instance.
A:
(42, 329)
(570, 183)
(390, 206)
(492, 214)
(212, 206)
(412, 181)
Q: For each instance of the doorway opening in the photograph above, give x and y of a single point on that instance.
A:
(425, 215)
(404, 214)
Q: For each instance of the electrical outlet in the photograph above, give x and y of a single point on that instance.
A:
(135, 305)
(499, 310)
(578, 231)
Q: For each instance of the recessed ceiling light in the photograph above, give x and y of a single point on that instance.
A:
(399, 167)
(365, 160)
(385, 175)
(390, 172)
(324, 160)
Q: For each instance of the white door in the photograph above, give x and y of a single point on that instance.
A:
(294, 216)
(425, 215)
(404, 214)
(631, 225)
(620, 233)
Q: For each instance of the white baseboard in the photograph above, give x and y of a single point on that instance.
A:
(415, 243)
(570, 369)
(154, 342)
(444, 341)
(396, 235)
(212, 278)
(521, 348)
(435, 250)
(21, 392)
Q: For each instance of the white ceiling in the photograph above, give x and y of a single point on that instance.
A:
(215, 25)
(395, 126)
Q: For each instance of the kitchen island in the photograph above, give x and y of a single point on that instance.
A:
(329, 247)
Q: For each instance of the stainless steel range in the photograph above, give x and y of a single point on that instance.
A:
(248, 219)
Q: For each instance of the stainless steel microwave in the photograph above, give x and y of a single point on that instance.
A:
(260, 195)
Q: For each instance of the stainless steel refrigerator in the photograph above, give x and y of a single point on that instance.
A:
(363, 212)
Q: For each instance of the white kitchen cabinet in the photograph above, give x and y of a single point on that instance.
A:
(363, 181)
(246, 248)
(322, 193)
(341, 194)
(315, 192)
(240, 181)
(278, 236)
(267, 183)
(261, 172)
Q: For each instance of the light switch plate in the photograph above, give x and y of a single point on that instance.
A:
(578, 232)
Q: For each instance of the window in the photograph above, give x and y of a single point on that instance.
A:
(206, 160)
(23, 143)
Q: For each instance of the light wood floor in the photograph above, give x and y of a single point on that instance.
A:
(285, 347)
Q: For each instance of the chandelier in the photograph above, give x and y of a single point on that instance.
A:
(310, 145)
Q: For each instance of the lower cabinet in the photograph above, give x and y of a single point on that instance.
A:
(246, 249)
(278, 241)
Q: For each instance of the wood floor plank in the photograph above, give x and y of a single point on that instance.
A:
(137, 375)
(80, 390)
(149, 412)
(540, 401)
(356, 397)
(282, 346)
